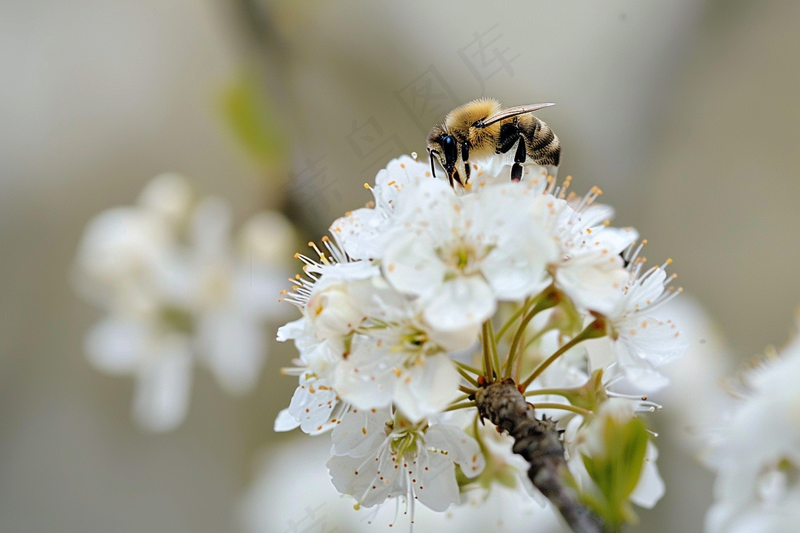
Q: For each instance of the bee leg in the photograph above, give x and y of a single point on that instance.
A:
(509, 133)
(519, 158)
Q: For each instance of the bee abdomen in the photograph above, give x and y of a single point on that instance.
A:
(543, 145)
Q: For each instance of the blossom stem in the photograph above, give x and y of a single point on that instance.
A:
(550, 299)
(488, 369)
(466, 390)
(461, 398)
(493, 346)
(519, 312)
(462, 405)
(536, 336)
(467, 377)
(477, 434)
(592, 331)
(549, 392)
(468, 368)
(563, 407)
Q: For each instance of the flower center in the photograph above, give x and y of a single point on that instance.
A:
(405, 436)
(177, 319)
(776, 480)
(464, 257)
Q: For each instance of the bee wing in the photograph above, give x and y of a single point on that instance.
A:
(512, 112)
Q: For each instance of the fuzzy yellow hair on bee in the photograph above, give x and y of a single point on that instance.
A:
(482, 128)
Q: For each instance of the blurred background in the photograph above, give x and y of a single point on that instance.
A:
(683, 112)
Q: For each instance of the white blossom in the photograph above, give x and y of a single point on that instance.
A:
(416, 461)
(315, 401)
(375, 374)
(756, 453)
(589, 267)
(177, 293)
(640, 342)
(362, 233)
(461, 254)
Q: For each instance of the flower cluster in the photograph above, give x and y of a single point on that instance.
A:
(178, 291)
(757, 452)
(430, 292)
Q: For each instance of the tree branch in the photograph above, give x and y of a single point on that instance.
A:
(538, 441)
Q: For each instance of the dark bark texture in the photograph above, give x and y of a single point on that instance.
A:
(539, 442)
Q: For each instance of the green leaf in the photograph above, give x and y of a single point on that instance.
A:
(248, 112)
(616, 471)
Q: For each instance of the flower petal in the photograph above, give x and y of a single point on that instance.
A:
(285, 421)
(460, 448)
(412, 266)
(650, 488)
(360, 432)
(436, 486)
(234, 348)
(368, 376)
(427, 387)
(460, 303)
(115, 345)
(162, 391)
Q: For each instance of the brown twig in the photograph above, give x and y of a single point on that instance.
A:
(538, 441)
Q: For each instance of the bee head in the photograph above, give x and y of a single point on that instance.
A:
(444, 147)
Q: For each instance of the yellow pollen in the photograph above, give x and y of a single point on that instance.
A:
(366, 186)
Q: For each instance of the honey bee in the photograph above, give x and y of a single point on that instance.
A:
(482, 128)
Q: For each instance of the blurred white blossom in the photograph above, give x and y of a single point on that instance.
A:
(177, 291)
(756, 453)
